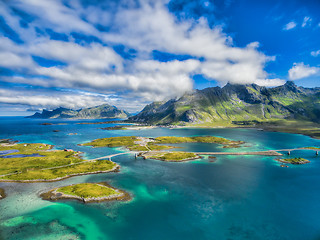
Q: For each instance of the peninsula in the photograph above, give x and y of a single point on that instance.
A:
(103, 111)
(36, 162)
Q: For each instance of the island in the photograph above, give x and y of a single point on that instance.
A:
(2, 193)
(134, 143)
(293, 160)
(150, 148)
(170, 156)
(37, 162)
(86, 193)
(313, 148)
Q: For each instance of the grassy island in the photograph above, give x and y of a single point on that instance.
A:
(86, 192)
(2, 194)
(170, 156)
(132, 143)
(313, 148)
(293, 160)
(155, 144)
(37, 162)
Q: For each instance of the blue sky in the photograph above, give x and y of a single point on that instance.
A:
(81, 53)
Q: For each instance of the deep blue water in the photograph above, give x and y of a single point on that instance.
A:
(236, 197)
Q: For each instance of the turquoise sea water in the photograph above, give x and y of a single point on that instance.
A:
(236, 197)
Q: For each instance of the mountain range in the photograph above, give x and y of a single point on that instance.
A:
(235, 103)
(231, 104)
(98, 112)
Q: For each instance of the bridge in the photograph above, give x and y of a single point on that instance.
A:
(111, 156)
(264, 153)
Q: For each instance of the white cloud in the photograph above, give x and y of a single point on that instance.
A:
(13, 57)
(45, 100)
(270, 82)
(300, 70)
(54, 14)
(97, 67)
(306, 21)
(20, 98)
(315, 53)
(289, 26)
(91, 57)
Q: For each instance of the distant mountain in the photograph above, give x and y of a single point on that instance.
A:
(102, 111)
(236, 103)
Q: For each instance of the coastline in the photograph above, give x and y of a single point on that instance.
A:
(2, 193)
(54, 195)
(304, 161)
(116, 168)
(269, 128)
(164, 160)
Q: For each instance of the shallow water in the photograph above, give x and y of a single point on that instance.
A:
(21, 155)
(7, 152)
(236, 197)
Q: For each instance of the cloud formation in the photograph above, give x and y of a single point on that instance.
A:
(315, 53)
(83, 48)
(290, 25)
(306, 21)
(300, 70)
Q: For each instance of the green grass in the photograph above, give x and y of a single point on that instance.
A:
(129, 142)
(88, 190)
(48, 159)
(112, 142)
(63, 172)
(33, 168)
(294, 160)
(26, 148)
(206, 139)
(293, 126)
(156, 147)
(183, 108)
(172, 156)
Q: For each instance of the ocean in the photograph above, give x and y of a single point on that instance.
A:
(235, 197)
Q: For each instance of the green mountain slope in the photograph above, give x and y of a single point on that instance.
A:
(234, 103)
(102, 111)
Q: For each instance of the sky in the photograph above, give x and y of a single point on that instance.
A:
(128, 53)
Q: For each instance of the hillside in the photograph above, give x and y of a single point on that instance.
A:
(98, 112)
(236, 103)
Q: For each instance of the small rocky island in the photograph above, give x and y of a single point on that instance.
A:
(170, 156)
(2, 194)
(87, 192)
(293, 160)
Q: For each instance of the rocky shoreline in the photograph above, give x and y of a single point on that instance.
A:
(183, 160)
(55, 195)
(295, 161)
(116, 168)
(2, 193)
